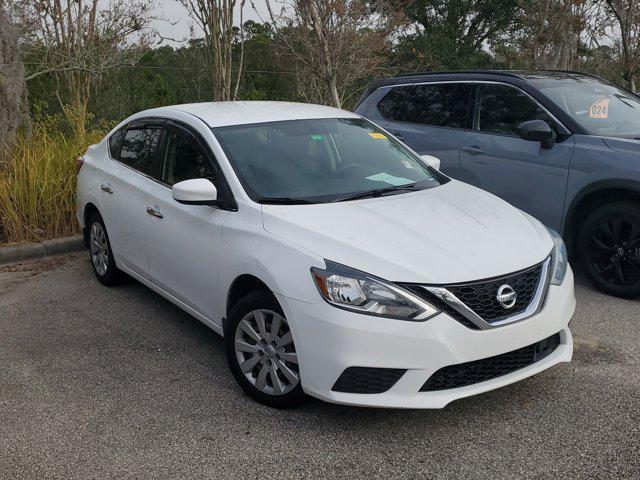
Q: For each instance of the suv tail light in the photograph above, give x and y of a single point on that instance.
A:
(79, 163)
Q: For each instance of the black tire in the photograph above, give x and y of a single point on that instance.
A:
(258, 300)
(112, 275)
(609, 248)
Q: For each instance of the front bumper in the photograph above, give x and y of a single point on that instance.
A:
(329, 340)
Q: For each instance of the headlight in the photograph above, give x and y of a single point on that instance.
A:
(360, 292)
(560, 258)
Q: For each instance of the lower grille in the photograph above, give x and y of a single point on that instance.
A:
(367, 380)
(464, 374)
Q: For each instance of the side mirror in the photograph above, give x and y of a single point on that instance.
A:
(433, 162)
(538, 131)
(198, 191)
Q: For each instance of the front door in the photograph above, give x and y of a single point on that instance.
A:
(183, 241)
(521, 172)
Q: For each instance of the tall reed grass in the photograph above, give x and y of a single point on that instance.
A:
(37, 186)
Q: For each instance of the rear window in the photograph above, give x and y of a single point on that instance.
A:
(140, 150)
(441, 105)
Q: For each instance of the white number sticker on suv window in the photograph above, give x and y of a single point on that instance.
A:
(599, 109)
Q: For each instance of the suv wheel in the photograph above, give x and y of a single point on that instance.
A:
(609, 248)
(261, 352)
(102, 260)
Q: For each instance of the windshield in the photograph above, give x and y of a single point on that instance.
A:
(320, 160)
(600, 108)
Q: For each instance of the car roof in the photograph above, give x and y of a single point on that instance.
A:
(221, 114)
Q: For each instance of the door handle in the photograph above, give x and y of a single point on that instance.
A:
(106, 188)
(473, 150)
(154, 213)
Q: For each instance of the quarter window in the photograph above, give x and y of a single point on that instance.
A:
(184, 159)
(115, 142)
(500, 109)
(140, 150)
(442, 105)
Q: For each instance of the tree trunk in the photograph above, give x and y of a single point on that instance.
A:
(329, 73)
(333, 92)
(12, 83)
(632, 82)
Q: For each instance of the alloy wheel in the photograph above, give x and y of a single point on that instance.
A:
(99, 249)
(266, 353)
(614, 251)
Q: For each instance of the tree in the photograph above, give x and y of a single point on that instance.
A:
(12, 84)
(79, 41)
(454, 34)
(332, 45)
(549, 36)
(216, 19)
(626, 15)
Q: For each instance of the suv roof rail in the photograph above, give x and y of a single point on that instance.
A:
(510, 73)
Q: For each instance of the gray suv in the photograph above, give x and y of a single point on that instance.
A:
(562, 146)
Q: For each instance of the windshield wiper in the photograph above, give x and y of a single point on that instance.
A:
(285, 201)
(378, 192)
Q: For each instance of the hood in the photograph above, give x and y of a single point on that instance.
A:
(623, 145)
(448, 234)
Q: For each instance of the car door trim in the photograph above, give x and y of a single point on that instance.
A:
(161, 123)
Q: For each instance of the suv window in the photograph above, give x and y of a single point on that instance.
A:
(184, 159)
(140, 150)
(442, 105)
(500, 109)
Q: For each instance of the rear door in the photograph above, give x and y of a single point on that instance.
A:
(430, 118)
(184, 241)
(496, 159)
(124, 187)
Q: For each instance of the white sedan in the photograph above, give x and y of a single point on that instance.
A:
(334, 260)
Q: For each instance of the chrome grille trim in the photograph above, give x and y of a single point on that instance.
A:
(536, 304)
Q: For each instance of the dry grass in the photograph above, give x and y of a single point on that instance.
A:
(37, 186)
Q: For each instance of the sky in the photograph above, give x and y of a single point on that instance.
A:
(178, 24)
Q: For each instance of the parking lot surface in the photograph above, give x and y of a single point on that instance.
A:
(119, 383)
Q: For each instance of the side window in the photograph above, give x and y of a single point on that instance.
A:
(442, 105)
(500, 109)
(115, 142)
(140, 150)
(183, 159)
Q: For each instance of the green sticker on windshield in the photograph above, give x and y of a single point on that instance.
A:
(317, 138)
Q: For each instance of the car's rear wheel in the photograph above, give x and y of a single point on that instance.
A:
(261, 352)
(102, 259)
(609, 248)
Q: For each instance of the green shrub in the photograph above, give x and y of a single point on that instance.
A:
(37, 186)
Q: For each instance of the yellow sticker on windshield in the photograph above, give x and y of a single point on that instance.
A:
(599, 109)
(377, 136)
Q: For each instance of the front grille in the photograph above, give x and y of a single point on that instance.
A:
(367, 380)
(481, 297)
(464, 374)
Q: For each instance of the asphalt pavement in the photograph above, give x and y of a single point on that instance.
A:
(100, 382)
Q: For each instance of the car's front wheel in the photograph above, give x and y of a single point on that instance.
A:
(102, 259)
(609, 248)
(261, 352)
